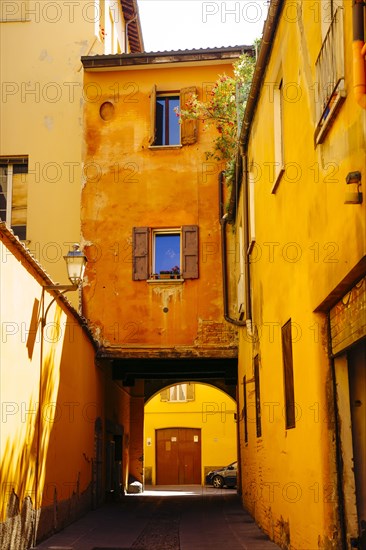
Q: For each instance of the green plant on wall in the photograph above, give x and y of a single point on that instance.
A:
(224, 109)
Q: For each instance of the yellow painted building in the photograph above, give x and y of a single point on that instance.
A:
(65, 423)
(41, 410)
(300, 224)
(41, 169)
(210, 414)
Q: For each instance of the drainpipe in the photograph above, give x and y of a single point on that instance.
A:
(248, 302)
(269, 32)
(359, 52)
(126, 31)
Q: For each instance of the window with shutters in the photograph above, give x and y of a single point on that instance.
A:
(165, 254)
(13, 194)
(180, 393)
(166, 131)
(288, 375)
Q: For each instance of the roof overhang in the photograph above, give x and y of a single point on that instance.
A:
(210, 56)
(131, 13)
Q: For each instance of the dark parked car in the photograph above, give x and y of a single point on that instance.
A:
(224, 476)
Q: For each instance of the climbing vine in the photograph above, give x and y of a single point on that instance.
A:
(223, 109)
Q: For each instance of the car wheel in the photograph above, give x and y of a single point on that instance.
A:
(217, 482)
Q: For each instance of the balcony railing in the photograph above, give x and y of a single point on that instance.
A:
(330, 76)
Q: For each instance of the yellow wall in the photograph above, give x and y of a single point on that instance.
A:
(50, 400)
(212, 411)
(307, 241)
(41, 113)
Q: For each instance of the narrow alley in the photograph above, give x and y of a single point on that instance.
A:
(166, 518)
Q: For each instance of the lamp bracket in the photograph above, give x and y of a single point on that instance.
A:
(64, 288)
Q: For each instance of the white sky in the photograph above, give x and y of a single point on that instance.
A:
(190, 24)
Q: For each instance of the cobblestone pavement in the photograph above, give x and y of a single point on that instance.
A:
(184, 518)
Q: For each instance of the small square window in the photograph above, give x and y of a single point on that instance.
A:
(166, 130)
(179, 393)
(167, 122)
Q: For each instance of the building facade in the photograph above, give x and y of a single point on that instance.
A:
(47, 423)
(300, 225)
(150, 228)
(41, 113)
(65, 423)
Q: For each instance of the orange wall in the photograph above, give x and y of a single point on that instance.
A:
(131, 185)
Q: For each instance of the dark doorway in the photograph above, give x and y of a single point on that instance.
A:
(357, 390)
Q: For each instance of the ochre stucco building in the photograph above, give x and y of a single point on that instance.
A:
(41, 113)
(150, 225)
(300, 224)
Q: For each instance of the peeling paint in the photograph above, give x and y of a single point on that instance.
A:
(283, 532)
(168, 293)
(329, 543)
(43, 56)
(48, 122)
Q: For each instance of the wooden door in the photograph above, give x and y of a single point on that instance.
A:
(178, 456)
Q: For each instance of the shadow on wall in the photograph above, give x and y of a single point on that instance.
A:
(26, 449)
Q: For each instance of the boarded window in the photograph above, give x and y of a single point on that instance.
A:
(288, 375)
(258, 419)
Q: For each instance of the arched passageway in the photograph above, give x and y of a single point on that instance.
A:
(189, 429)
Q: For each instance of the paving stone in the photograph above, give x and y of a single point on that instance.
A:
(156, 520)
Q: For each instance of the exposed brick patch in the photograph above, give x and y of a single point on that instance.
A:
(214, 333)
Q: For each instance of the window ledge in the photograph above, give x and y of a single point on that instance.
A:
(179, 146)
(250, 247)
(328, 116)
(165, 281)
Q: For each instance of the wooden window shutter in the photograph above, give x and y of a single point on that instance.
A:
(164, 395)
(140, 253)
(190, 392)
(152, 136)
(189, 126)
(288, 375)
(190, 251)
